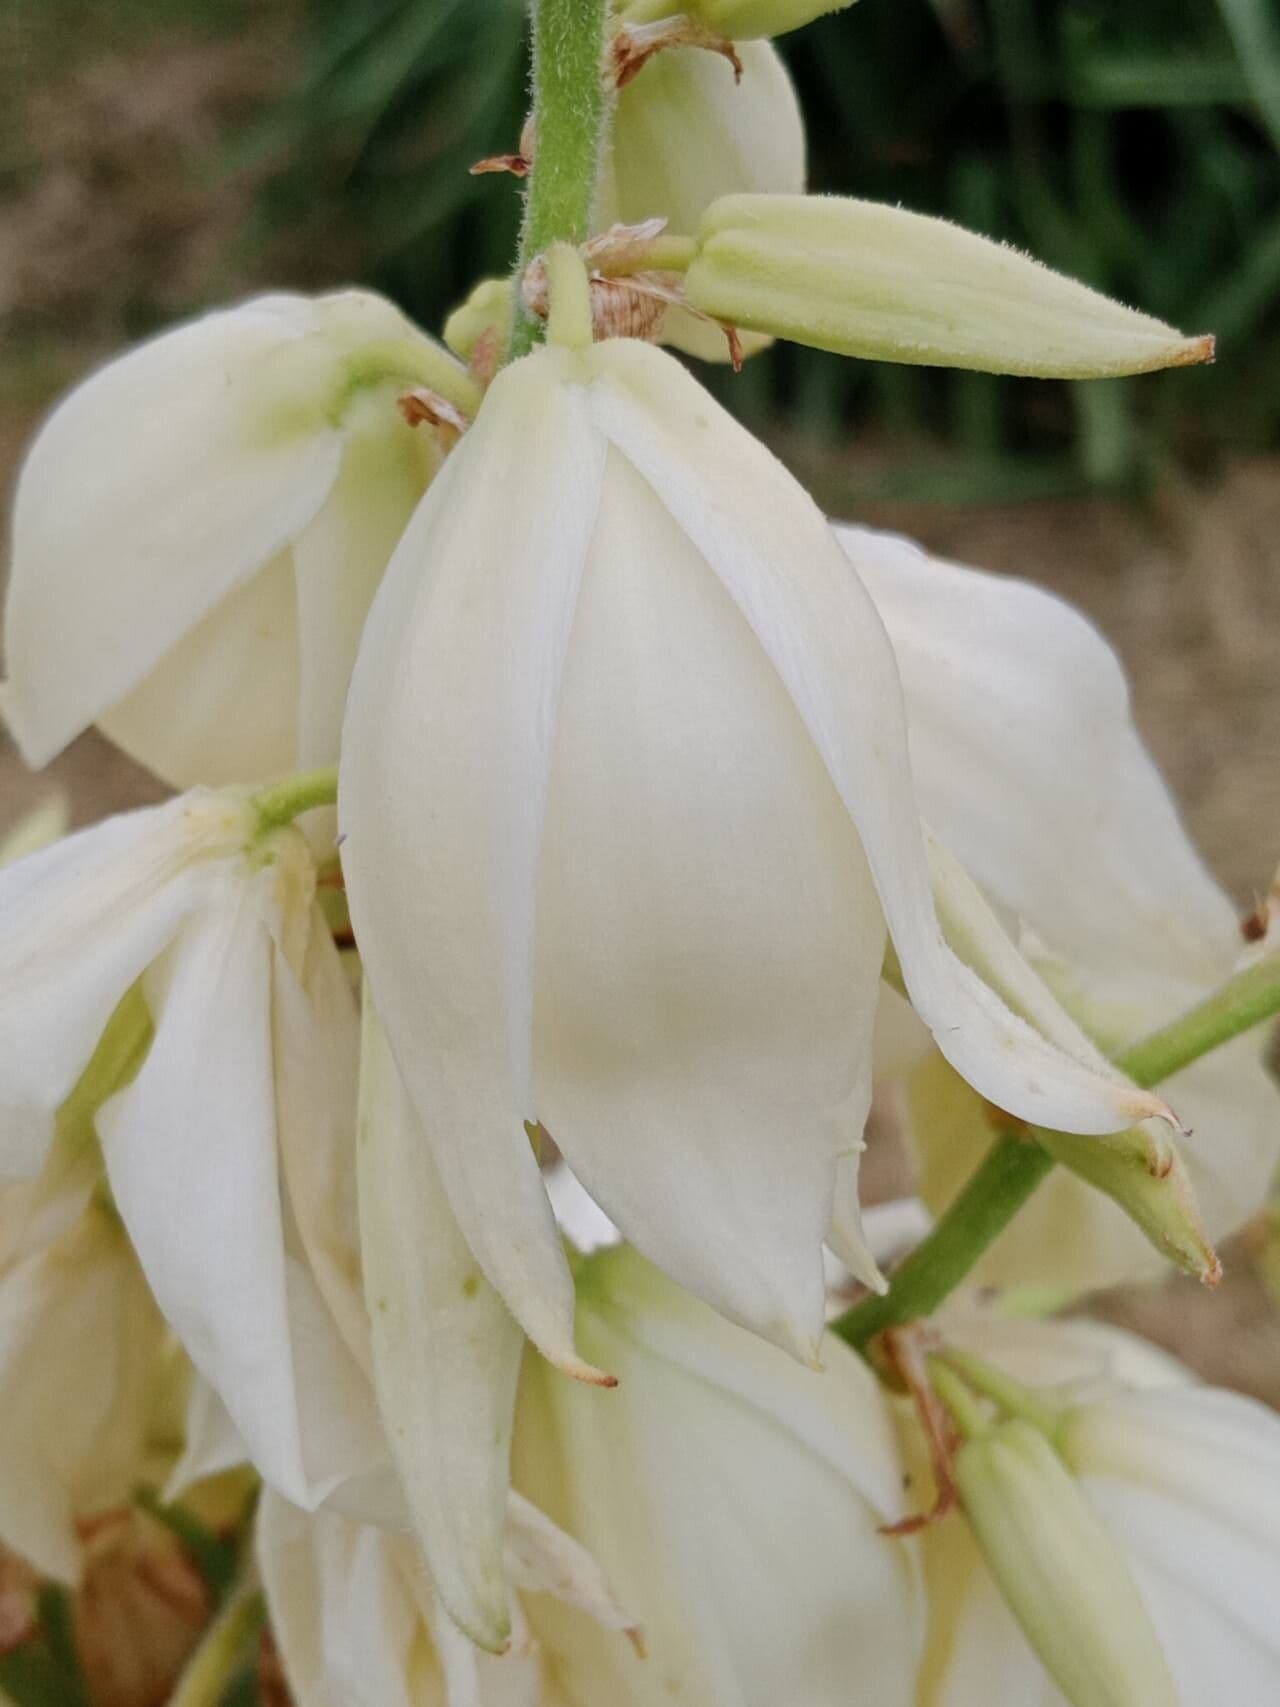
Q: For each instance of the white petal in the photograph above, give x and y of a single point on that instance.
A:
(149, 495)
(190, 1149)
(211, 1443)
(316, 1050)
(341, 1612)
(847, 1235)
(446, 750)
(446, 1353)
(687, 131)
(1028, 766)
(780, 563)
(220, 706)
(709, 939)
(79, 923)
(340, 558)
(542, 1558)
(78, 1339)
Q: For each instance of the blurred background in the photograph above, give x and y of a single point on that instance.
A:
(157, 156)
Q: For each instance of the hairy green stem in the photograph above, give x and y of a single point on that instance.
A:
(281, 802)
(568, 124)
(1015, 1164)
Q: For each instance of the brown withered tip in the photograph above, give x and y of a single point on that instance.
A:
(421, 407)
(519, 165)
(1197, 352)
(634, 45)
(635, 1635)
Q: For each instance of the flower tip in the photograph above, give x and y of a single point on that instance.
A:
(635, 1635)
(1195, 351)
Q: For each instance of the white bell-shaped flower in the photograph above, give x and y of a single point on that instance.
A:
(199, 528)
(628, 808)
(168, 976)
(1184, 1479)
(1028, 767)
(735, 1501)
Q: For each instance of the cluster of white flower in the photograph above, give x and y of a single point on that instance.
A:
(672, 823)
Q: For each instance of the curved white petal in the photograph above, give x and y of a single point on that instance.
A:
(340, 557)
(709, 939)
(446, 750)
(781, 565)
(220, 705)
(161, 474)
(744, 1534)
(80, 921)
(1028, 765)
(316, 1053)
(190, 1150)
(191, 1154)
(446, 1353)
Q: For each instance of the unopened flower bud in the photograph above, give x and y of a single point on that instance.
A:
(883, 284)
(1060, 1572)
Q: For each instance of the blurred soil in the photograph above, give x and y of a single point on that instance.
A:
(121, 208)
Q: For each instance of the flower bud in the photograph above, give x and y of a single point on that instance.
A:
(883, 284)
(1060, 1572)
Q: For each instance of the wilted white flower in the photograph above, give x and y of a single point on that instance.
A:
(1028, 767)
(628, 808)
(199, 528)
(1184, 1480)
(167, 978)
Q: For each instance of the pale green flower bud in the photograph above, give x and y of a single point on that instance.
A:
(883, 284)
(1060, 1572)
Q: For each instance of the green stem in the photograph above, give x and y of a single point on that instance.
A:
(282, 802)
(568, 123)
(1015, 1165)
(1244, 1001)
(225, 1646)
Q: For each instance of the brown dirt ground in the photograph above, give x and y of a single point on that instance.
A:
(115, 220)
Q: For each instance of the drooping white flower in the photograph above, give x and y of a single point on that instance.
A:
(735, 1501)
(1029, 769)
(1185, 1480)
(199, 528)
(167, 978)
(627, 809)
